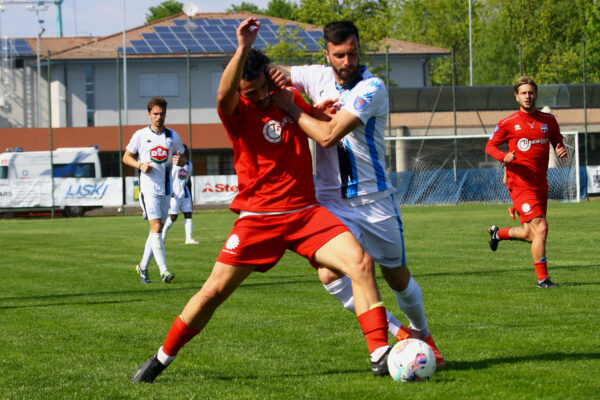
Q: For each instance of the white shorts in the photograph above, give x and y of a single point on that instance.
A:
(154, 206)
(377, 226)
(183, 204)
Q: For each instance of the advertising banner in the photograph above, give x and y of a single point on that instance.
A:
(215, 189)
(593, 181)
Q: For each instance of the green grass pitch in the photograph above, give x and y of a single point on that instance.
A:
(75, 321)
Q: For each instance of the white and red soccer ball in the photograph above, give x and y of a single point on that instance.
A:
(411, 360)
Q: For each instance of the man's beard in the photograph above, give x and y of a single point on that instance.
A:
(346, 74)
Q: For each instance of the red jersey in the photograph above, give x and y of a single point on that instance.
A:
(271, 158)
(529, 135)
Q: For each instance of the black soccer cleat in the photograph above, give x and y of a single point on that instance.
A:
(493, 231)
(148, 371)
(546, 283)
(380, 367)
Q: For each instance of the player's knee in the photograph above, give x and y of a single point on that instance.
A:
(364, 266)
(327, 276)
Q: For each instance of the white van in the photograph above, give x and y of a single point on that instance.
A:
(18, 169)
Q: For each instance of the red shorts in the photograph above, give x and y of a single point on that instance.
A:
(262, 240)
(529, 203)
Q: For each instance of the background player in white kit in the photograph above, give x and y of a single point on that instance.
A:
(157, 149)
(351, 181)
(181, 199)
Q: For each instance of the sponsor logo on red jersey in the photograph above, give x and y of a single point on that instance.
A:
(159, 154)
(524, 144)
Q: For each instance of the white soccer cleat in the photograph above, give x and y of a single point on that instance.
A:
(191, 241)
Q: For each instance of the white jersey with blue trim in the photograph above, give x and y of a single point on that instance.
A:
(158, 148)
(181, 177)
(355, 168)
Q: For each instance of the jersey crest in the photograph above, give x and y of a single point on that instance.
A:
(182, 174)
(159, 154)
(272, 131)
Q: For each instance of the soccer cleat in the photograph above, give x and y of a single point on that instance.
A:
(406, 333)
(148, 371)
(439, 359)
(143, 274)
(380, 367)
(547, 283)
(167, 276)
(493, 231)
(191, 241)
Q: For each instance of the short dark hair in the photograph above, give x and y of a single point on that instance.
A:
(524, 80)
(256, 63)
(339, 31)
(157, 101)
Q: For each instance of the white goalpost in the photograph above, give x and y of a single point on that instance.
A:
(455, 169)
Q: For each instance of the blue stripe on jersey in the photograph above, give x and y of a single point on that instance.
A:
(168, 189)
(349, 174)
(377, 166)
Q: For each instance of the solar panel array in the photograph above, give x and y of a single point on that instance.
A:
(213, 36)
(16, 48)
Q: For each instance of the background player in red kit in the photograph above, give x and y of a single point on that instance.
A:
(529, 133)
(278, 211)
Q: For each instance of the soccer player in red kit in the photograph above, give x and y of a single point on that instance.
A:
(528, 133)
(278, 211)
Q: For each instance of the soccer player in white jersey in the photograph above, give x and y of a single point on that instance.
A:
(351, 180)
(157, 148)
(181, 200)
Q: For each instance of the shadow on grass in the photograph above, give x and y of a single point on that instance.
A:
(86, 303)
(488, 271)
(281, 280)
(480, 364)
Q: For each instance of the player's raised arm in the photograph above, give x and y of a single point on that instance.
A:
(227, 96)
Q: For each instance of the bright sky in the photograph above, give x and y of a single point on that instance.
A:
(90, 17)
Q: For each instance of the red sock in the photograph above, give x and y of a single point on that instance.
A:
(179, 334)
(375, 328)
(541, 270)
(503, 234)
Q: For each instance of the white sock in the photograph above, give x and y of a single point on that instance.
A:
(147, 256)
(158, 249)
(410, 301)
(342, 291)
(393, 324)
(163, 357)
(188, 228)
(378, 352)
(168, 224)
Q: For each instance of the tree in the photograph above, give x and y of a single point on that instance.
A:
(163, 10)
(245, 6)
(281, 9)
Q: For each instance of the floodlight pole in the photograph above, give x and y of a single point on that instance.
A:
(124, 69)
(470, 48)
(37, 8)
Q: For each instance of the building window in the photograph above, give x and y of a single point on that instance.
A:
(159, 84)
(89, 94)
(212, 164)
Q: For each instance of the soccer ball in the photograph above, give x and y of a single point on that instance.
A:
(411, 360)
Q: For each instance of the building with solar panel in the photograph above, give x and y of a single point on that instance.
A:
(85, 81)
